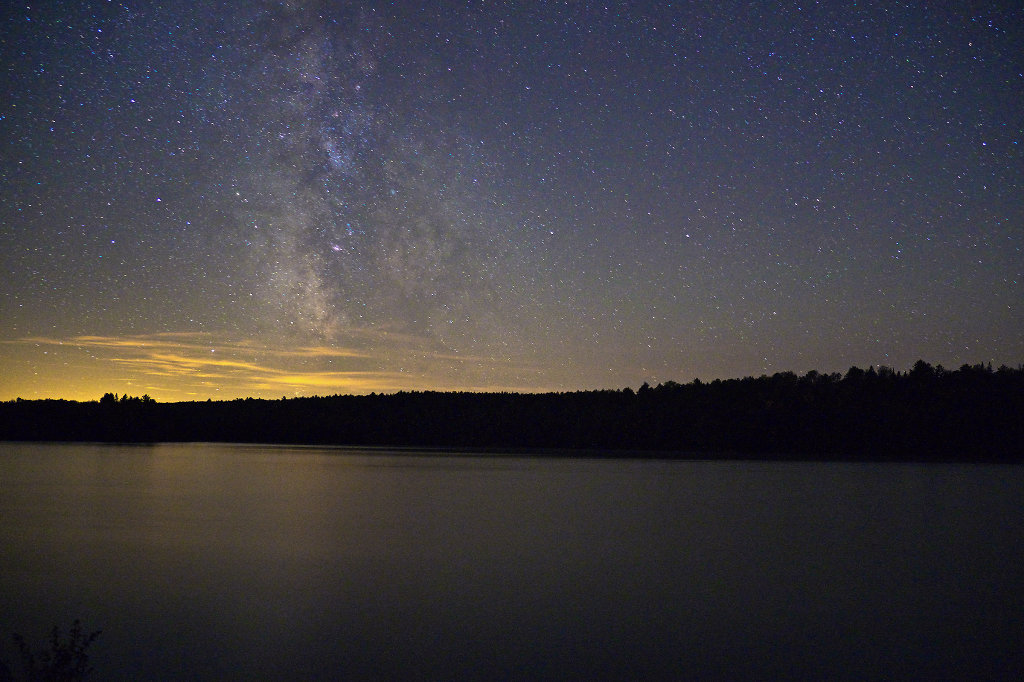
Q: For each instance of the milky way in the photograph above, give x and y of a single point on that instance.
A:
(357, 212)
(359, 196)
(364, 203)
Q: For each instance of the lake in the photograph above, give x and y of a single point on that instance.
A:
(214, 562)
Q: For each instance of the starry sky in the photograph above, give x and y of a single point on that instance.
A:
(226, 199)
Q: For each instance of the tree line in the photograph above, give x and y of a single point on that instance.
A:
(974, 413)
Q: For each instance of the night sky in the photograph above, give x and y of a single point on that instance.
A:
(262, 199)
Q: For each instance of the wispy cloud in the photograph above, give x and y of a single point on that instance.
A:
(191, 364)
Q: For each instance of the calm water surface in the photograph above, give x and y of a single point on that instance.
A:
(214, 562)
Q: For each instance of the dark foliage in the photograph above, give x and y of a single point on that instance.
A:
(927, 413)
(66, 660)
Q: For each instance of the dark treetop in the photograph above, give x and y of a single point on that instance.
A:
(927, 413)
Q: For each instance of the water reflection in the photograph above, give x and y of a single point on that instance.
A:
(242, 562)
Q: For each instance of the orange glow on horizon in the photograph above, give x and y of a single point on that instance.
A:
(198, 366)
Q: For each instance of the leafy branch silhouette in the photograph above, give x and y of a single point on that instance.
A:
(66, 660)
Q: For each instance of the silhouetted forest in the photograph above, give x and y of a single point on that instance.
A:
(974, 413)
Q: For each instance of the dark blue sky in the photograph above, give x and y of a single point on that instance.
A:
(229, 199)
